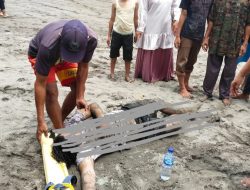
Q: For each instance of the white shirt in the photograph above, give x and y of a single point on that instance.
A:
(155, 21)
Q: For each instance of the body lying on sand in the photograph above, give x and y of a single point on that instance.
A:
(86, 165)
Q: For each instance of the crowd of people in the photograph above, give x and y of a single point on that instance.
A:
(65, 48)
(182, 24)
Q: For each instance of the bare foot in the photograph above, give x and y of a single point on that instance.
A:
(189, 89)
(245, 182)
(4, 14)
(226, 101)
(242, 97)
(185, 94)
(173, 78)
(128, 79)
(111, 77)
(1, 13)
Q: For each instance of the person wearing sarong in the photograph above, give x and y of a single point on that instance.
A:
(158, 20)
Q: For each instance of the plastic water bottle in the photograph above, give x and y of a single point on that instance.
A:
(168, 161)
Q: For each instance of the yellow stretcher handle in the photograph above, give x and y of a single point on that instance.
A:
(67, 185)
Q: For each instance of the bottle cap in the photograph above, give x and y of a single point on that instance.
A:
(171, 149)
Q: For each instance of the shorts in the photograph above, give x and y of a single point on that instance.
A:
(66, 72)
(124, 41)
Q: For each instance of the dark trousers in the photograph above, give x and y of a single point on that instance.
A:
(2, 7)
(214, 63)
(247, 85)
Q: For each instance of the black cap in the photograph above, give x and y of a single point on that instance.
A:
(74, 39)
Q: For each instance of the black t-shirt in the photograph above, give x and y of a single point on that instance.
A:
(197, 13)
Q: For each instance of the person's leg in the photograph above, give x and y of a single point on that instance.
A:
(127, 46)
(192, 58)
(212, 72)
(112, 67)
(2, 7)
(69, 102)
(227, 77)
(116, 43)
(182, 59)
(87, 172)
(127, 71)
(52, 105)
(67, 73)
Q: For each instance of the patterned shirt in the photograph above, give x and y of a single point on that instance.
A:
(229, 17)
(197, 13)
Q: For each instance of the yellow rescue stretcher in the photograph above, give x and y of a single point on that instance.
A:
(56, 174)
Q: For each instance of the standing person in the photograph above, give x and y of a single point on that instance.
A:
(2, 9)
(190, 33)
(65, 47)
(155, 42)
(228, 21)
(123, 22)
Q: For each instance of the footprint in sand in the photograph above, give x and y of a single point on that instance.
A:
(21, 79)
(104, 57)
(5, 99)
(13, 90)
(94, 65)
(117, 97)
